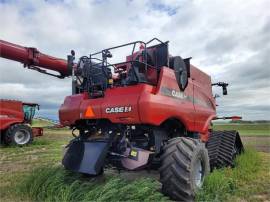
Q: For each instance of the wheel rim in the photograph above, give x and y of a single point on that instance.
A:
(199, 174)
(22, 137)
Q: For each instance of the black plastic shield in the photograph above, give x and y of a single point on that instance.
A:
(85, 157)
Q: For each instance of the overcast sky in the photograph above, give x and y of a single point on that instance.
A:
(229, 39)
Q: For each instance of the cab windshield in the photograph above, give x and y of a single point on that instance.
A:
(29, 112)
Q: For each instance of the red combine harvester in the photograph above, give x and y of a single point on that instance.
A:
(15, 120)
(152, 110)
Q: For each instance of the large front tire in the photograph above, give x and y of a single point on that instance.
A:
(184, 165)
(18, 134)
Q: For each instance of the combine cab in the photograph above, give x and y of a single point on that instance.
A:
(15, 122)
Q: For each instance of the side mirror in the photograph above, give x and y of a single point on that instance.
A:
(223, 85)
(224, 89)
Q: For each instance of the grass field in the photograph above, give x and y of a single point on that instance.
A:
(252, 129)
(41, 123)
(34, 173)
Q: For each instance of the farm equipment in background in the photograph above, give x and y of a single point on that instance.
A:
(15, 122)
(151, 110)
(50, 123)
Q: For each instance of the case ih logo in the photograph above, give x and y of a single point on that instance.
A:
(178, 94)
(174, 93)
(125, 109)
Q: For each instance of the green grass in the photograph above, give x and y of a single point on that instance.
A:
(41, 123)
(53, 183)
(250, 178)
(34, 173)
(16, 162)
(258, 129)
(56, 184)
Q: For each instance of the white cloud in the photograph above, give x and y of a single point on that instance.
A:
(219, 35)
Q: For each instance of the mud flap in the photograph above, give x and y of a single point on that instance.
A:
(86, 157)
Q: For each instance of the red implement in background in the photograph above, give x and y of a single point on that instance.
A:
(234, 118)
(15, 122)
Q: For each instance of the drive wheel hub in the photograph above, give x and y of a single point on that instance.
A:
(22, 137)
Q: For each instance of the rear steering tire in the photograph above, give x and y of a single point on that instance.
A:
(184, 165)
(18, 134)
